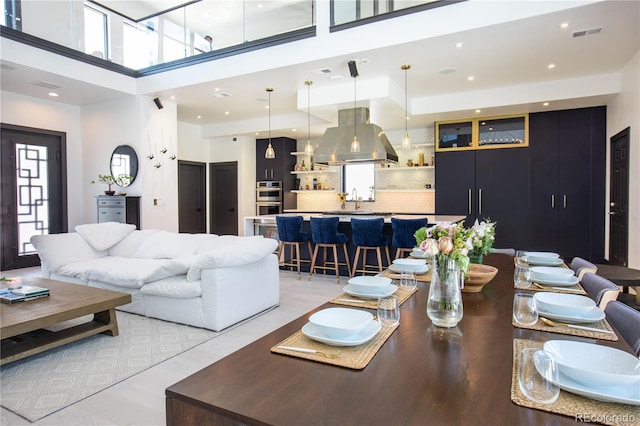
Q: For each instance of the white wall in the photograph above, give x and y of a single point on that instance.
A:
(623, 112)
(41, 114)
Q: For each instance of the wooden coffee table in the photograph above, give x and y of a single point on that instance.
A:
(22, 324)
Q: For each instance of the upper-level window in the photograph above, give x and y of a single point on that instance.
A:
(95, 32)
(140, 44)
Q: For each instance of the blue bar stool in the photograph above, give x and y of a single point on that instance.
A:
(367, 235)
(403, 230)
(290, 235)
(324, 233)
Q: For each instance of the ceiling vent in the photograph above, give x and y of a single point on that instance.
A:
(46, 84)
(222, 95)
(323, 71)
(583, 33)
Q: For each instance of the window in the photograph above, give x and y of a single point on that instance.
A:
(95, 32)
(360, 177)
(140, 45)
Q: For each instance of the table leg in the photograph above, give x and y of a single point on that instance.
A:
(108, 318)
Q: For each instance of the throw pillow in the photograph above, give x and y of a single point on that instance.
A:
(101, 236)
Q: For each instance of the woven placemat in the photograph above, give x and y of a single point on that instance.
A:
(354, 357)
(570, 404)
(574, 289)
(563, 329)
(348, 300)
(426, 277)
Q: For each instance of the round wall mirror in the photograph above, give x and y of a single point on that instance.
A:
(124, 162)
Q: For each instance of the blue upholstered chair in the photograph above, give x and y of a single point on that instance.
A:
(581, 266)
(324, 234)
(403, 230)
(367, 235)
(626, 321)
(600, 289)
(290, 235)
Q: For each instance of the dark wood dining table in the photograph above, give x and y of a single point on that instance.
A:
(421, 375)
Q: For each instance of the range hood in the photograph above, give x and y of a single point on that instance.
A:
(335, 145)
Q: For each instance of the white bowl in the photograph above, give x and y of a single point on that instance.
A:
(564, 304)
(341, 322)
(594, 365)
(410, 264)
(550, 272)
(543, 254)
(369, 285)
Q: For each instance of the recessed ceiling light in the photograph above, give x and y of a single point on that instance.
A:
(199, 117)
(478, 111)
(564, 25)
(545, 104)
(53, 94)
(173, 97)
(226, 113)
(471, 78)
(551, 66)
(217, 89)
(459, 44)
(293, 130)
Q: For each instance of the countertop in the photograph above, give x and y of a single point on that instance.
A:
(345, 216)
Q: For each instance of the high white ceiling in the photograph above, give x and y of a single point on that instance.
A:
(513, 54)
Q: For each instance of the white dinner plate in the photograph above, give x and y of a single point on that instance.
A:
(418, 271)
(417, 253)
(594, 315)
(545, 262)
(558, 282)
(385, 291)
(543, 254)
(368, 333)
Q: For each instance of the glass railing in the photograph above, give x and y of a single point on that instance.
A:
(195, 29)
(354, 11)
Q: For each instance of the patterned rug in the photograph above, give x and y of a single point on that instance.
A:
(42, 384)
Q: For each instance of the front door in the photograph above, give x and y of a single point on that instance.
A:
(619, 199)
(33, 191)
(192, 197)
(224, 198)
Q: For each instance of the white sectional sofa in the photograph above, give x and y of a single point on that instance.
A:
(202, 280)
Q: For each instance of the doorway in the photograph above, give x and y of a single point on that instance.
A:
(192, 197)
(33, 191)
(224, 198)
(619, 199)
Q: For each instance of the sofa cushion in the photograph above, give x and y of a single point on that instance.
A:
(102, 236)
(131, 243)
(168, 245)
(229, 251)
(125, 272)
(56, 250)
(176, 287)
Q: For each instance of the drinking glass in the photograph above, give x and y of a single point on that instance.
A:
(388, 310)
(538, 376)
(521, 258)
(408, 280)
(522, 277)
(524, 308)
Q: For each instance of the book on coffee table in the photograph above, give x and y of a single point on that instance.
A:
(30, 291)
(22, 294)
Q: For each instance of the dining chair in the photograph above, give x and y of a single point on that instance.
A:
(600, 289)
(403, 230)
(581, 266)
(291, 235)
(367, 235)
(626, 321)
(324, 234)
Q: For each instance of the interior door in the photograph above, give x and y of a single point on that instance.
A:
(619, 199)
(33, 191)
(192, 180)
(224, 198)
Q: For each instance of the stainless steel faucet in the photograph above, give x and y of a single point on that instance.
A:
(354, 195)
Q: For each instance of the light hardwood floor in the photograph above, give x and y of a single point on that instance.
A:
(140, 400)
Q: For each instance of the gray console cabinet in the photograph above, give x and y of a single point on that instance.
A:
(119, 208)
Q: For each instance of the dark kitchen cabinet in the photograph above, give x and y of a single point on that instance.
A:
(568, 174)
(493, 184)
(279, 168)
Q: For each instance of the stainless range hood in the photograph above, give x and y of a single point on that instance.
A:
(335, 145)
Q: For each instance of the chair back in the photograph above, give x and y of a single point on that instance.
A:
(600, 289)
(368, 232)
(324, 230)
(581, 266)
(403, 230)
(626, 320)
(290, 229)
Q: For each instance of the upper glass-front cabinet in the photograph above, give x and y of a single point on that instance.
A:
(483, 133)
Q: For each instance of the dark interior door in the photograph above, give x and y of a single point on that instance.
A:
(33, 191)
(224, 198)
(192, 197)
(455, 184)
(619, 199)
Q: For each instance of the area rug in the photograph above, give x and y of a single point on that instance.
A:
(42, 384)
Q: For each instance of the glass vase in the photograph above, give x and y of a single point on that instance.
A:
(444, 306)
(475, 258)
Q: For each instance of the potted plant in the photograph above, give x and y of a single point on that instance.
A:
(120, 180)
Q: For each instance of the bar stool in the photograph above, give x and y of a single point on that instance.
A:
(290, 235)
(324, 233)
(403, 230)
(367, 235)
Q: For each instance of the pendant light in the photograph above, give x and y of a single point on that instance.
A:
(308, 148)
(270, 153)
(355, 144)
(406, 140)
